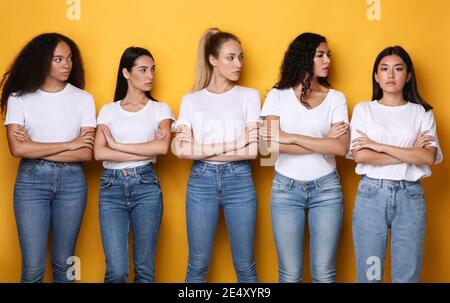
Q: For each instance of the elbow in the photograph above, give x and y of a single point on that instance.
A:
(341, 151)
(98, 155)
(16, 152)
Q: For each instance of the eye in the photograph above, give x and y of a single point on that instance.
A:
(230, 58)
(58, 60)
(69, 59)
(142, 70)
(383, 69)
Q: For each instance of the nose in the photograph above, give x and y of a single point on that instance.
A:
(238, 62)
(326, 59)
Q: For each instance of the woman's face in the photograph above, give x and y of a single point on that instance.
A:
(322, 60)
(392, 74)
(229, 62)
(61, 64)
(142, 74)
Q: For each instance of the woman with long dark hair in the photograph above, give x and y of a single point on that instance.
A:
(50, 123)
(306, 123)
(133, 130)
(394, 142)
(217, 127)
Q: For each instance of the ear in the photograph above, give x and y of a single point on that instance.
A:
(125, 73)
(375, 76)
(212, 60)
(408, 77)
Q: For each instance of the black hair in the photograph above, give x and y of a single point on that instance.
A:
(298, 64)
(127, 61)
(410, 90)
(31, 67)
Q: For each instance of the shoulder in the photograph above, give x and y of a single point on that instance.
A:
(160, 105)
(362, 107)
(108, 107)
(78, 91)
(337, 96)
(247, 90)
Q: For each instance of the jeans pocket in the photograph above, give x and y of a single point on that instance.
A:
(196, 172)
(283, 186)
(367, 190)
(27, 168)
(148, 178)
(105, 181)
(415, 191)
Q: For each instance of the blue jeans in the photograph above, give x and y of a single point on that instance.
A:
(48, 196)
(210, 186)
(289, 200)
(382, 205)
(130, 198)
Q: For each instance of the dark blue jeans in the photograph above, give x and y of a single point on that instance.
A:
(130, 198)
(211, 186)
(48, 196)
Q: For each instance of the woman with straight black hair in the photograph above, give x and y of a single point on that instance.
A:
(394, 142)
(50, 124)
(133, 130)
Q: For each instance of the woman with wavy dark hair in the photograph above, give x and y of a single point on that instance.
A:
(133, 130)
(306, 123)
(50, 124)
(394, 142)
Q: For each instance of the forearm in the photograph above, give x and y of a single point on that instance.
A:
(79, 155)
(147, 149)
(248, 152)
(371, 157)
(327, 146)
(412, 155)
(195, 151)
(37, 150)
(107, 154)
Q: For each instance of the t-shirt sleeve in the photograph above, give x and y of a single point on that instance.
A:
(357, 123)
(271, 106)
(88, 113)
(105, 115)
(164, 112)
(253, 106)
(340, 110)
(185, 116)
(429, 125)
(15, 113)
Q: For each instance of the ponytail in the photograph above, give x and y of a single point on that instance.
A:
(210, 43)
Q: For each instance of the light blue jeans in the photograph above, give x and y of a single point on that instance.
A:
(382, 205)
(48, 197)
(211, 186)
(289, 200)
(130, 198)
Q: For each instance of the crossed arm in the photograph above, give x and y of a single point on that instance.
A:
(243, 148)
(107, 149)
(334, 143)
(367, 151)
(77, 150)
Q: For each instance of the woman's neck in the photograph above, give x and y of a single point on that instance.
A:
(53, 86)
(135, 96)
(219, 84)
(392, 99)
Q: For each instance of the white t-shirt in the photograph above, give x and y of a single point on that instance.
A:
(133, 127)
(52, 117)
(316, 122)
(219, 118)
(394, 125)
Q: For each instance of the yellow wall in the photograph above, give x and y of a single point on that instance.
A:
(171, 29)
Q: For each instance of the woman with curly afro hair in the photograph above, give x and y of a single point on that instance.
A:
(50, 124)
(306, 123)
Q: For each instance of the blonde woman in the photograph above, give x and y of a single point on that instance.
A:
(217, 128)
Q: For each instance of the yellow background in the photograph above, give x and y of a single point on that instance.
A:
(171, 30)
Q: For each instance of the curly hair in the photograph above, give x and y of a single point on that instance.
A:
(31, 67)
(298, 64)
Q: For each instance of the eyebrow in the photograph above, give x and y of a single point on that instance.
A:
(321, 51)
(61, 56)
(384, 64)
(147, 66)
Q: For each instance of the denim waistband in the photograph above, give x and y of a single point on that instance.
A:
(26, 161)
(294, 183)
(387, 182)
(222, 167)
(131, 172)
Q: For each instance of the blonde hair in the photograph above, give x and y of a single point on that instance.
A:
(210, 43)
